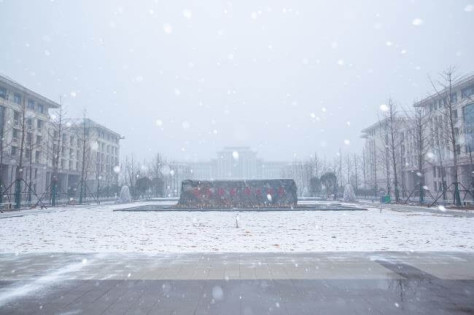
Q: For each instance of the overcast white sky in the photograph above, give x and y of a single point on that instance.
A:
(185, 78)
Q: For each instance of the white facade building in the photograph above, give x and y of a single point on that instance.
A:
(438, 160)
(24, 117)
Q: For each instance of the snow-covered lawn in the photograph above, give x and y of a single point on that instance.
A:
(99, 229)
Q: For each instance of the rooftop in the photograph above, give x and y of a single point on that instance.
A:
(19, 87)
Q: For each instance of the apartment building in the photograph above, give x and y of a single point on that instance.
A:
(22, 109)
(461, 94)
(25, 118)
(438, 156)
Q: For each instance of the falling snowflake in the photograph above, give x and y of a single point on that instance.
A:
(217, 293)
(235, 155)
(384, 108)
(159, 123)
(347, 142)
(94, 145)
(417, 22)
(185, 124)
(430, 155)
(469, 8)
(187, 13)
(167, 28)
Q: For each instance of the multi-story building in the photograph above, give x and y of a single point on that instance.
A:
(270, 169)
(438, 154)
(378, 154)
(204, 170)
(24, 118)
(176, 172)
(101, 156)
(461, 96)
(236, 163)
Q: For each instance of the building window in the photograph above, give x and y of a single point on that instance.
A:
(39, 124)
(14, 151)
(468, 115)
(17, 98)
(31, 104)
(15, 135)
(38, 140)
(454, 97)
(37, 156)
(41, 108)
(3, 93)
(467, 92)
(16, 118)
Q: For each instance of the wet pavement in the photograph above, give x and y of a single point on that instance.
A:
(240, 283)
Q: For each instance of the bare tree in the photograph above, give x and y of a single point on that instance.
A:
(373, 159)
(364, 167)
(348, 168)
(19, 169)
(450, 132)
(84, 138)
(436, 158)
(156, 174)
(131, 173)
(6, 142)
(356, 173)
(55, 152)
(31, 145)
(382, 154)
(418, 130)
(393, 125)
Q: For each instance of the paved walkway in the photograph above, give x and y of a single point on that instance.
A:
(309, 283)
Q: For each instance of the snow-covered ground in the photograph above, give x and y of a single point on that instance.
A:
(99, 229)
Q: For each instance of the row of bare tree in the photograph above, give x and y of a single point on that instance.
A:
(27, 143)
(434, 136)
